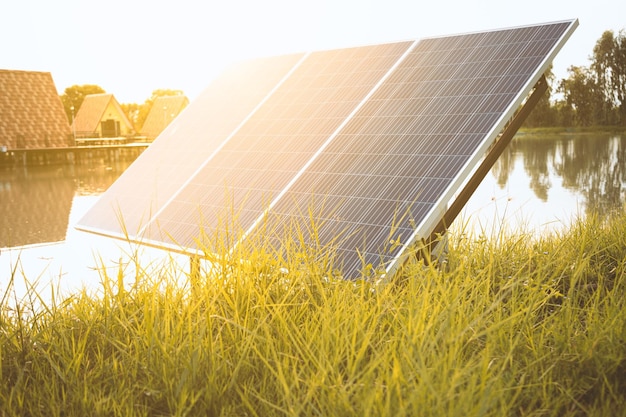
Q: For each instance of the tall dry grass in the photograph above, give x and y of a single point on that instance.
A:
(503, 327)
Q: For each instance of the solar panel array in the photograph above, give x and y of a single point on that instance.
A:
(372, 142)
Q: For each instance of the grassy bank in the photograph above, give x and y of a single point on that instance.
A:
(578, 130)
(507, 327)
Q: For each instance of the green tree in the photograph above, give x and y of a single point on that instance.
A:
(73, 97)
(602, 64)
(619, 74)
(609, 66)
(564, 113)
(596, 94)
(581, 94)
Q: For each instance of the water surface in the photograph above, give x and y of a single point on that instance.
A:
(542, 183)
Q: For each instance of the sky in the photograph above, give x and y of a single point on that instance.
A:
(133, 47)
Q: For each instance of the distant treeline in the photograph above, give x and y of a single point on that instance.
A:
(590, 95)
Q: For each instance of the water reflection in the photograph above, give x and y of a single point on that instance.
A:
(596, 168)
(555, 178)
(590, 165)
(35, 202)
(35, 206)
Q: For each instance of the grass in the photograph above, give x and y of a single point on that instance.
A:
(575, 130)
(510, 326)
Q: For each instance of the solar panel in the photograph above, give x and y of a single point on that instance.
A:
(373, 141)
(185, 146)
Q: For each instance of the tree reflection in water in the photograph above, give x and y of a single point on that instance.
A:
(590, 165)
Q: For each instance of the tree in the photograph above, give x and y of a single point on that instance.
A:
(597, 94)
(581, 93)
(164, 93)
(619, 74)
(609, 67)
(73, 97)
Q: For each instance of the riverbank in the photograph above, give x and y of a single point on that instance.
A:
(510, 326)
(563, 131)
(72, 155)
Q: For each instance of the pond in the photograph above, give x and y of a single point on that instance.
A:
(543, 182)
(540, 184)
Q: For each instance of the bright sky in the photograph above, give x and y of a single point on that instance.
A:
(132, 47)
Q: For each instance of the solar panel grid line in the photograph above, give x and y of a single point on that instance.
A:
(221, 132)
(372, 62)
(485, 116)
(478, 123)
(158, 171)
(466, 172)
(327, 196)
(222, 144)
(486, 164)
(324, 146)
(373, 201)
(391, 202)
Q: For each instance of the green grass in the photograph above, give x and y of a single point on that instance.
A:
(510, 326)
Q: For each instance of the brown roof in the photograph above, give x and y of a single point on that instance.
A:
(92, 110)
(163, 111)
(31, 112)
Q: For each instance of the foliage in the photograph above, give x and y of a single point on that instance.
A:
(591, 95)
(597, 94)
(73, 97)
(582, 94)
(506, 326)
(609, 65)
